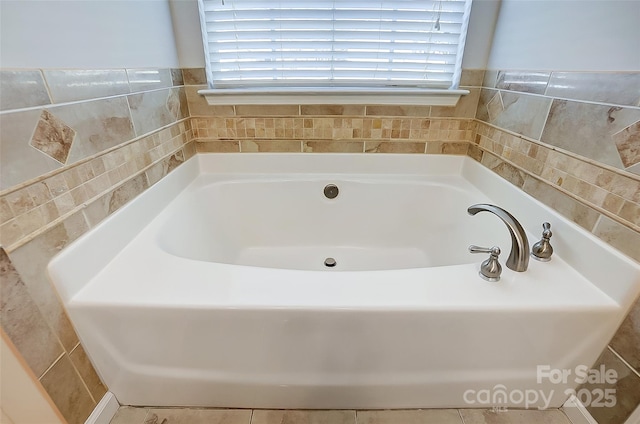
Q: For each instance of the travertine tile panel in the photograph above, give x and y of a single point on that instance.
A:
(161, 169)
(198, 105)
(507, 171)
(622, 238)
(22, 321)
(357, 110)
(570, 208)
(391, 110)
(626, 341)
(99, 125)
(194, 76)
(475, 152)
(466, 107)
(530, 416)
(303, 417)
(587, 129)
(628, 144)
(524, 81)
(222, 146)
(155, 109)
(176, 77)
(471, 77)
(626, 388)
(22, 89)
(198, 416)
(333, 146)
(618, 88)
(523, 114)
(81, 361)
(53, 137)
(5, 210)
(394, 147)
(490, 78)
(267, 110)
(31, 261)
(68, 85)
(630, 212)
(411, 416)
(495, 107)
(149, 79)
(19, 161)
(129, 415)
(64, 386)
(447, 148)
(270, 146)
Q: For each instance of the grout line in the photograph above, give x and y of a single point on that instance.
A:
(76, 102)
(624, 361)
(461, 417)
(51, 366)
(148, 411)
(74, 348)
(569, 99)
(46, 87)
(546, 119)
(546, 87)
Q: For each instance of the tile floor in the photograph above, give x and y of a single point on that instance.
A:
(138, 415)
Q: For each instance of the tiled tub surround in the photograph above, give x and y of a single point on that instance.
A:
(562, 195)
(332, 128)
(53, 118)
(52, 212)
(76, 146)
(592, 114)
(595, 116)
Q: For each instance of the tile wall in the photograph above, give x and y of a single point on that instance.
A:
(333, 128)
(76, 146)
(572, 140)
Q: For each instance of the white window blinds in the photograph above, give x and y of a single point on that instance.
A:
(334, 43)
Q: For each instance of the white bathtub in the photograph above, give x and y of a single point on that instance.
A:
(210, 289)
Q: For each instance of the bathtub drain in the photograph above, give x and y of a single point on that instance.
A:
(330, 262)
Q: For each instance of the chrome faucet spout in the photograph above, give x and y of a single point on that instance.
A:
(518, 259)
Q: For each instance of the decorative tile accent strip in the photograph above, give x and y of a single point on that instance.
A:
(31, 208)
(598, 187)
(333, 128)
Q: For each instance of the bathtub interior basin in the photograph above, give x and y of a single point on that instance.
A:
(212, 287)
(288, 223)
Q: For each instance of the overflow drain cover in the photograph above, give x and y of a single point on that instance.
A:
(330, 262)
(331, 191)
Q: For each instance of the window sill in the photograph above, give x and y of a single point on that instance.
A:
(323, 96)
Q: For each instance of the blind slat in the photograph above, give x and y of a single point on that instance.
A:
(334, 42)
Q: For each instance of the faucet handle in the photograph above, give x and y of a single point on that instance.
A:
(543, 250)
(490, 269)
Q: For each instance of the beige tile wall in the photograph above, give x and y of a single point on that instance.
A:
(103, 152)
(572, 140)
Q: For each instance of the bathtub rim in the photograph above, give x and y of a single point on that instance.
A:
(132, 218)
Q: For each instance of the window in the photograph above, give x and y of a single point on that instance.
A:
(333, 46)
